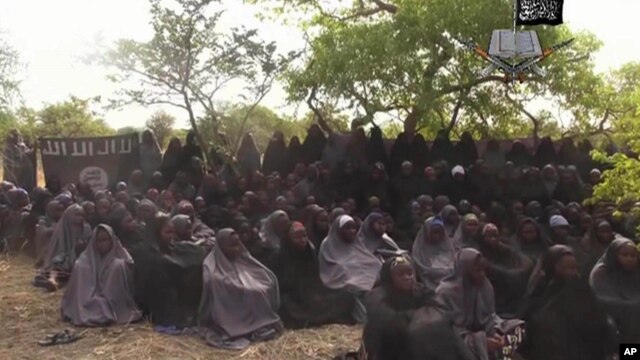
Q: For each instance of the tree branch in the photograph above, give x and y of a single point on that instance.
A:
(321, 120)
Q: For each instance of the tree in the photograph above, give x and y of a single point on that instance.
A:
(261, 122)
(189, 60)
(161, 123)
(621, 183)
(71, 118)
(399, 59)
(9, 85)
(128, 130)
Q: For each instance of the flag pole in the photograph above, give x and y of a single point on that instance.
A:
(515, 35)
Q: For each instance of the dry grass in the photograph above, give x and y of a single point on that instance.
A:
(27, 314)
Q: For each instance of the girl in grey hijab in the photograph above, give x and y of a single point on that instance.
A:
(69, 238)
(240, 296)
(616, 282)
(345, 262)
(450, 218)
(274, 229)
(433, 253)
(373, 235)
(468, 295)
(467, 233)
(100, 291)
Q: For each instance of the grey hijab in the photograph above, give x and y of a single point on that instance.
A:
(370, 239)
(434, 261)
(267, 231)
(459, 239)
(472, 307)
(100, 289)
(609, 281)
(239, 297)
(62, 244)
(344, 265)
(447, 211)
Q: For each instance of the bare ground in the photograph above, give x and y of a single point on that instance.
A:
(27, 314)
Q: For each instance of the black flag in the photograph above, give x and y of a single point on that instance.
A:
(539, 12)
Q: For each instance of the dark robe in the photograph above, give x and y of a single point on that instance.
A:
(466, 152)
(545, 153)
(295, 154)
(313, 145)
(399, 322)
(442, 148)
(564, 320)
(519, 155)
(305, 301)
(509, 273)
(275, 157)
(171, 160)
(376, 150)
(168, 282)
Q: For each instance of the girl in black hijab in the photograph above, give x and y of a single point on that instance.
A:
(508, 270)
(171, 161)
(189, 150)
(519, 154)
(545, 153)
(248, 156)
(305, 301)
(402, 313)
(275, 156)
(313, 145)
(376, 150)
(442, 148)
(466, 152)
(564, 320)
(419, 151)
(168, 277)
(295, 154)
(316, 223)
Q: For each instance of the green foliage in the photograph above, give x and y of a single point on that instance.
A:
(621, 184)
(261, 123)
(161, 124)
(71, 118)
(9, 84)
(399, 58)
(128, 130)
(190, 59)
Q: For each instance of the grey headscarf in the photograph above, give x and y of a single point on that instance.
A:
(435, 261)
(181, 221)
(267, 231)
(459, 239)
(609, 281)
(100, 289)
(370, 239)
(444, 215)
(344, 265)
(239, 297)
(63, 241)
(472, 307)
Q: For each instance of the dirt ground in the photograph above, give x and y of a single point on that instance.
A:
(27, 314)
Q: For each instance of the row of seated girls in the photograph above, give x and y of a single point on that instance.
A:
(446, 298)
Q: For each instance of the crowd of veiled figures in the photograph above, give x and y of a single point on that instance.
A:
(436, 247)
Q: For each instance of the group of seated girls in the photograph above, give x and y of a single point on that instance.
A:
(460, 295)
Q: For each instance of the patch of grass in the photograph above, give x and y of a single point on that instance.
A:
(27, 314)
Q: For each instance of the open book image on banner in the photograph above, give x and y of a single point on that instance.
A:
(100, 162)
(539, 12)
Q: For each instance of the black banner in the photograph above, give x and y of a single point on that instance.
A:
(101, 162)
(539, 12)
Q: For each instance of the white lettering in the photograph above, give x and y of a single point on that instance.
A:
(64, 148)
(113, 146)
(105, 149)
(90, 148)
(48, 150)
(83, 147)
(125, 149)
